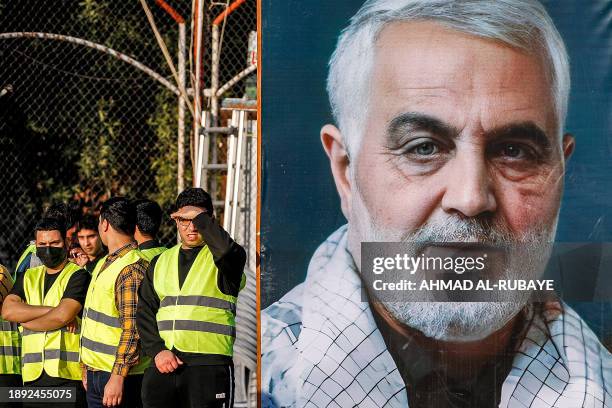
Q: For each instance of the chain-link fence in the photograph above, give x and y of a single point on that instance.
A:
(228, 78)
(235, 20)
(78, 121)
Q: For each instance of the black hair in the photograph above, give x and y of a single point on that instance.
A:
(120, 213)
(87, 222)
(74, 214)
(148, 216)
(196, 197)
(58, 211)
(50, 224)
(69, 214)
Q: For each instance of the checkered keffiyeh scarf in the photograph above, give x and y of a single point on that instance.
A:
(321, 348)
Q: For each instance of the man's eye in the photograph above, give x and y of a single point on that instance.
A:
(516, 151)
(425, 149)
(513, 151)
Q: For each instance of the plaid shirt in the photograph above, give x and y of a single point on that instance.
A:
(126, 299)
(322, 348)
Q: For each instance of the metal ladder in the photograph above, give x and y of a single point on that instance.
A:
(236, 133)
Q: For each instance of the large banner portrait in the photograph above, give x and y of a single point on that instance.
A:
(436, 203)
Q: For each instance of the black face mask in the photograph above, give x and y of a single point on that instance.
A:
(51, 257)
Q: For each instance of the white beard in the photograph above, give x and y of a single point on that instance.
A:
(460, 321)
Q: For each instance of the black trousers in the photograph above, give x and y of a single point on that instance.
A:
(189, 387)
(47, 381)
(11, 381)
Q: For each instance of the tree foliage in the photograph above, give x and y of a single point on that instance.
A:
(81, 124)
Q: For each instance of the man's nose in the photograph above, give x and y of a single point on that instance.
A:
(469, 187)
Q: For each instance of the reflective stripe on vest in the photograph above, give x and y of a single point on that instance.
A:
(10, 351)
(198, 301)
(150, 253)
(197, 317)
(26, 332)
(55, 351)
(206, 327)
(10, 345)
(102, 318)
(101, 329)
(54, 354)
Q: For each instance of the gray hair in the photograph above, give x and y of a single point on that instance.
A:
(522, 24)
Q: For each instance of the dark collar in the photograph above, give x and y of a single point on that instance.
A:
(152, 243)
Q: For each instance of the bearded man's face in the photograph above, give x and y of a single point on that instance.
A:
(460, 143)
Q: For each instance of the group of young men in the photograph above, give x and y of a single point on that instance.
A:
(119, 318)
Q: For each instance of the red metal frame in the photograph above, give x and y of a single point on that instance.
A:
(227, 12)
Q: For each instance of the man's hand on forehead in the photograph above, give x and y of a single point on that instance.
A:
(188, 212)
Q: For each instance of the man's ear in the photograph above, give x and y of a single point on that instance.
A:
(569, 145)
(340, 164)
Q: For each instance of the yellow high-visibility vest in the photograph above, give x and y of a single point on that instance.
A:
(56, 351)
(31, 249)
(10, 341)
(101, 329)
(150, 253)
(197, 317)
